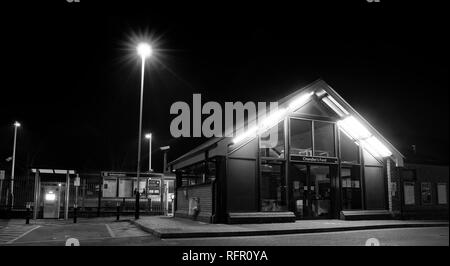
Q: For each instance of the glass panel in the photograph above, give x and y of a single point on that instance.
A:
(109, 188)
(320, 189)
(301, 137)
(426, 193)
(142, 186)
(125, 188)
(370, 160)
(351, 188)
(442, 193)
(273, 185)
(272, 142)
(323, 139)
(314, 108)
(299, 190)
(408, 188)
(349, 149)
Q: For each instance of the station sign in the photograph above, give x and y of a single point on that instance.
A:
(311, 159)
(154, 186)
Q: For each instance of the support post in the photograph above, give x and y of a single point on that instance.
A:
(66, 205)
(389, 181)
(37, 189)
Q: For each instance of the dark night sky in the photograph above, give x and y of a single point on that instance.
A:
(66, 76)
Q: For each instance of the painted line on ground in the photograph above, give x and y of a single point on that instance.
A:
(22, 235)
(110, 231)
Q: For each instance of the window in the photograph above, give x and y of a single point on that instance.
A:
(349, 150)
(199, 173)
(369, 159)
(272, 142)
(425, 189)
(142, 186)
(125, 188)
(408, 188)
(273, 187)
(109, 187)
(301, 137)
(351, 188)
(324, 139)
(442, 193)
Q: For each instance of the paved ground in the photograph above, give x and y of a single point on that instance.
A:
(434, 236)
(170, 227)
(106, 232)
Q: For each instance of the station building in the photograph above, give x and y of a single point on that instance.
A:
(326, 161)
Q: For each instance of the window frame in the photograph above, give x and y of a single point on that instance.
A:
(289, 135)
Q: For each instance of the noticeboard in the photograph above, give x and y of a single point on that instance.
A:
(154, 186)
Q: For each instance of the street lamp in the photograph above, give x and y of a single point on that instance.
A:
(149, 137)
(144, 50)
(16, 125)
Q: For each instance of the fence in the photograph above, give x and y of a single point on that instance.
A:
(90, 202)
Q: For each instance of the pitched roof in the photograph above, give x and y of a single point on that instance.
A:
(319, 87)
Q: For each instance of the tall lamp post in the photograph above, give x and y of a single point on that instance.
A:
(16, 125)
(144, 50)
(149, 137)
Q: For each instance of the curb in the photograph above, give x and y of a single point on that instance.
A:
(280, 232)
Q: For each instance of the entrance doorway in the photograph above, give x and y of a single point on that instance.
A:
(52, 200)
(311, 190)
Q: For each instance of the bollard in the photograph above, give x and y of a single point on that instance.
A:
(75, 213)
(118, 211)
(28, 214)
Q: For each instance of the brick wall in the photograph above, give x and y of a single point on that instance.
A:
(204, 193)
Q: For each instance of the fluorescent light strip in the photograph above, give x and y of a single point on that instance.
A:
(338, 105)
(378, 146)
(300, 101)
(356, 131)
(354, 128)
(273, 118)
(250, 132)
(369, 148)
(332, 106)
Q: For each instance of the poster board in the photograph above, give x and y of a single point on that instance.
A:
(442, 193)
(409, 193)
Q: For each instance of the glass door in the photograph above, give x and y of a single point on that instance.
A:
(310, 187)
(320, 190)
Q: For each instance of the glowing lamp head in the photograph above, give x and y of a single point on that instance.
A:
(148, 136)
(16, 124)
(144, 50)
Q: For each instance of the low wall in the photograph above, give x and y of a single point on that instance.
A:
(200, 195)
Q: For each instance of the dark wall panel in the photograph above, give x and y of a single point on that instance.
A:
(375, 190)
(249, 150)
(241, 185)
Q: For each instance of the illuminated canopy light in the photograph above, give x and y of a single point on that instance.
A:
(354, 128)
(375, 144)
(144, 50)
(251, 132)
(297, 103)
(338, 105)
(356, 131)
(273, 118)
(333, 104)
